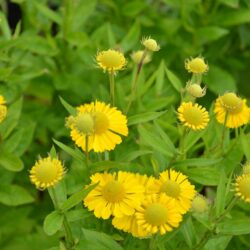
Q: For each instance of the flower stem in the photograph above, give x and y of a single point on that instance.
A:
(152, 245)
(112, 87)
(134, 85)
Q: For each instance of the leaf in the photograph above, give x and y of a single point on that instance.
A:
(106, 165)
(134, 154)
(174, 80)
(6, 31)
(210, 33)
(67, 106)
(236, 226)
(197, 162)
(245, 143)
(188, 232)
(160, 78)
(53, 223)
(95, 240)
(230, 3)
(14, 195)
(10, 161)
(221, 193)
(219, 81)
(76, 198)
(191, 138)
(133, 8)
(79, 214)
(74, 153)
(144, 117)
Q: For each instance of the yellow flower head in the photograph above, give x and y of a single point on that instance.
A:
(246, 168)
(116, 194)
(237, 111)
(242, 187)
(193, 116)
(137, 57)
(150, 44)
(175, 185)
(101, 123)
(199, 204)
(46, 172)
(196, 65)
(158, 214)
(3, 109)
(195, 90)
(111, 60)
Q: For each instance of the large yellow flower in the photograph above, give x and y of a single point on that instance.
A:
(111, 60)
(193, 116)
(234, 108)
(242, 187)
(175, 185)
(116, 194)
(158, 214)
(102, 124)
(46, 172)
(3, 109)
(196, 65)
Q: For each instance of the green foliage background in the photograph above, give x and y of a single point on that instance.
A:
(50, 53)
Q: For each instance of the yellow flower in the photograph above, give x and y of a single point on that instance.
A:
(158, 214)
(193, 116)
(116, 194)
(3, 109)
(195, 90)
(150, 44)
(46, 172)
(246, 168)
(199, 204)
(176, 186)
(196, 65)
(237, 111)
(242, 187)
(102, 124)
(111, 60)
(137, 57)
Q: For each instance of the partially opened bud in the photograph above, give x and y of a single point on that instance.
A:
(137, 57)
(195, 90)
(200, 204)
(150, 44)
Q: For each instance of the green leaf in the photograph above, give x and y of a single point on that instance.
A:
(197, 162)
(160, 78)
(174, 80)
(14, 195)
(95, 240)
(235, 226)
(74, 153)
(76, 198)
(67, 106)
(106, 165)
(144, 117)
(10, 161)
(133, 8)
(191, 138)
(245, 143)
(134, 154)
(78, 215)
(221, 193)
(188, 232)
(6, 31)
(53, 222)
(230, 3)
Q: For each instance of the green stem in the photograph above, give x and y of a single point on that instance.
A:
(112, 87)
(134, 84)
(182, 144)
(152, 245)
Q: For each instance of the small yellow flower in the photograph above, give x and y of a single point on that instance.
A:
(246, 168)
(193, 116)
(242, 187)
(137, 57)
(111, 60)
(116, 194)
(103, 125)
(176, 186)
(195, 90)
(199, 204)
(150, 44)
(157, 214)
(196, 65)
(3, 109)
(46, 172)
(234, 107)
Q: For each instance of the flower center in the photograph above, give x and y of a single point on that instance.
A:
(193, 115)
(197, 65)
(46, 172)
(84, 123)
(171, 188)
(113, 191)
(244, 187)
(156, 214)
(111, 59)
(231, 102)
(101, 123)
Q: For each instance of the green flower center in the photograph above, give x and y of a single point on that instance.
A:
(156, 214)
(113, 191)
(84, 123)
(46, 172)
(171, 188)
(193, 115)
(231, 102)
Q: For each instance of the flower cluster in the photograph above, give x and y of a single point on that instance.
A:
(139, 204)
